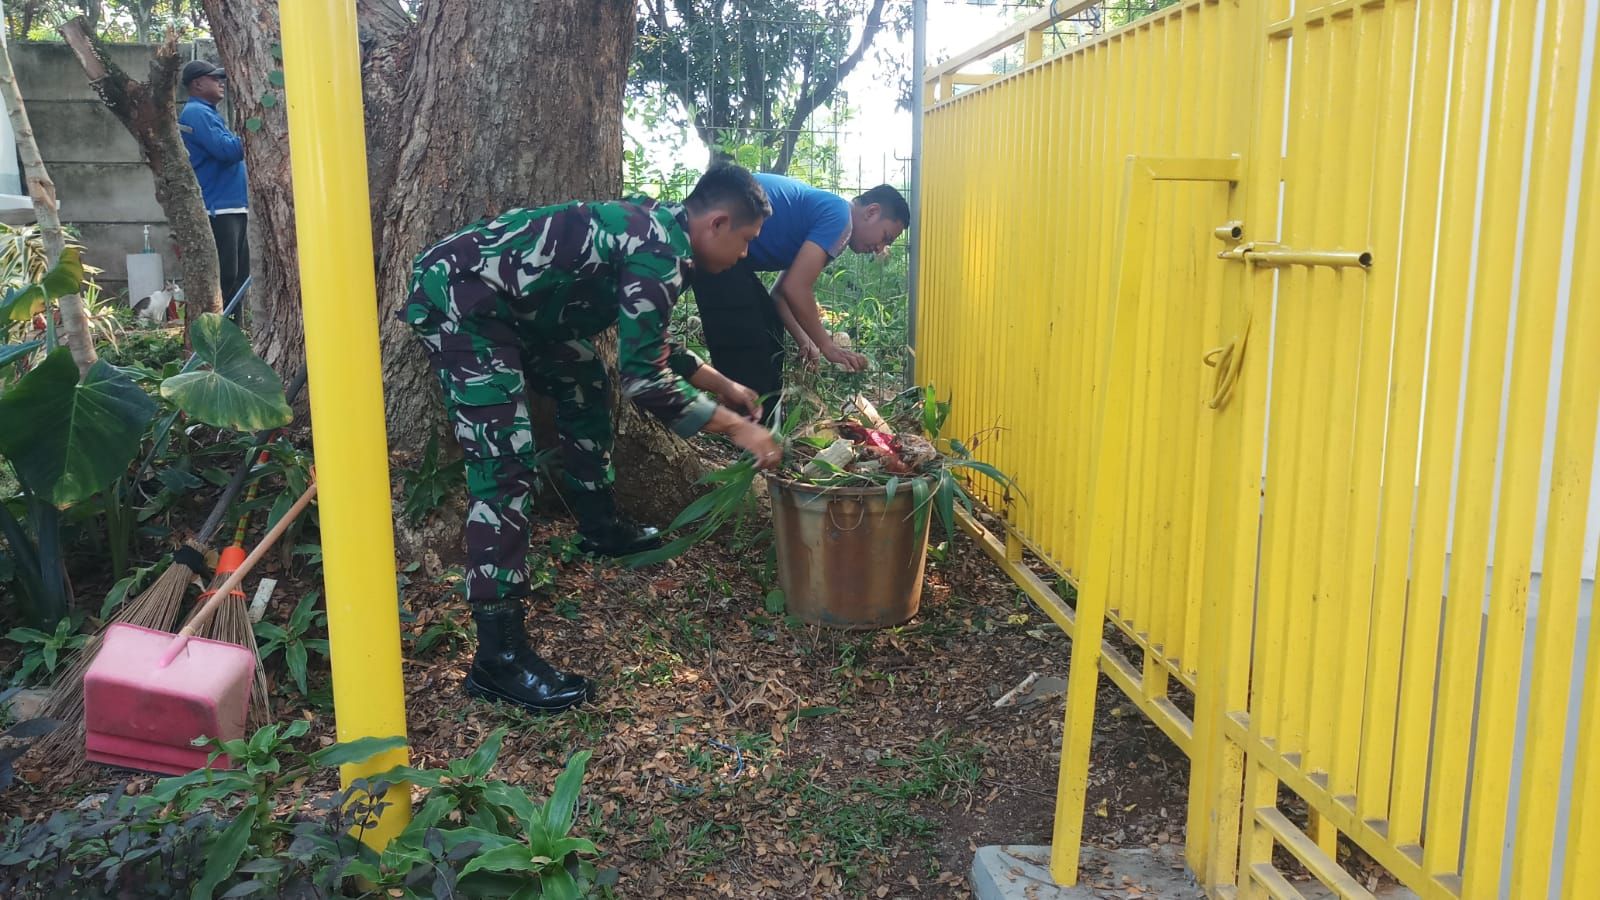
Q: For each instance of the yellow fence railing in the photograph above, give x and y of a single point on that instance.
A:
(1285, 317)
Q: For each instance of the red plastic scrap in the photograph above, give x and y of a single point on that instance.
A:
(879, 443)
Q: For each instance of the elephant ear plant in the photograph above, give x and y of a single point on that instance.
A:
(71, 441)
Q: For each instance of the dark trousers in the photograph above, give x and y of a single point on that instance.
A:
(233, 251)
(743, 331)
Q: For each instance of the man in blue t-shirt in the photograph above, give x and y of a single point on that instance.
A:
(217, 155)
(744, 324)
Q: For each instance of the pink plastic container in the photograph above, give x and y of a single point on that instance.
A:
(142, 714)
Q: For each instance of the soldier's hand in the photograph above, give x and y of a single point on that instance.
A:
(759, 441)
(850, 362)
(741, 399)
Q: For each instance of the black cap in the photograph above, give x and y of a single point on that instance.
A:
(199, 69)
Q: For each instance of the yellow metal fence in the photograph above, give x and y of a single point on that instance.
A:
(1285, 317)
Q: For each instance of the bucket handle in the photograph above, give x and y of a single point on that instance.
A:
(861, 515)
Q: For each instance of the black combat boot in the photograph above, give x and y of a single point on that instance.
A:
(506, 668)
(604, 532)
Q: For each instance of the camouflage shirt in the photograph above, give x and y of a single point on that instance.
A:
(571, 271)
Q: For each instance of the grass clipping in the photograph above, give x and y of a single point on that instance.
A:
(857, 449)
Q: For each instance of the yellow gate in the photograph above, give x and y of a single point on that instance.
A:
(1284, 317)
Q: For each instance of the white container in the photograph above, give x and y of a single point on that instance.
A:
(146, 275)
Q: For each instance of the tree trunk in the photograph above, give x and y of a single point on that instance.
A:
(74, 322)
(147, 110)
(476, 107)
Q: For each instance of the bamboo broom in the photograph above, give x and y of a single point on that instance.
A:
(157, 607)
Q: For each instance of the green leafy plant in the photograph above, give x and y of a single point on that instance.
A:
(42, 650)
(71, 439)
(194, 835)
(430, 482)
(131, 583)
(729, 499)
(446, 631)
(293, 638)
(234, 389)
(253, 831)
(523, 848)
(935, 486)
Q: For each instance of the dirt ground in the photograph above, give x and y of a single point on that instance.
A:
(740, 753)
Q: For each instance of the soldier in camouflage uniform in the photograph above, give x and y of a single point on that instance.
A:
(510, 306)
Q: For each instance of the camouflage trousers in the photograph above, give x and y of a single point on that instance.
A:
(487, 366)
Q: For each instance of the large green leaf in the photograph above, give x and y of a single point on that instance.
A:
(19, 303)
(10, 353)
(235, 389)
(514, 799)
(556, 883)
(224, 855)
(479, 764)
(564, 798)
(69, 440)
(358, 750)
(66, 278)
(510, 858)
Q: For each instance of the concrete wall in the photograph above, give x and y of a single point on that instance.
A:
(105, 188)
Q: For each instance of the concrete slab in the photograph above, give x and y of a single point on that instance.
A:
(26, 703)
(1014, 872)
(1316, 891)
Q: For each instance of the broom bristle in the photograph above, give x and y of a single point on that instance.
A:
(157, 607)
(232, 624)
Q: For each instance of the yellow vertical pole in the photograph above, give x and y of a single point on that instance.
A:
(1033, 46)
(1424, 569)
(1493, 286)
(1580, 384)
(1114, 416)
(334, 232)
(1511, 575)
(1359, 560)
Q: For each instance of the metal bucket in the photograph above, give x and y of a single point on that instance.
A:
(848, 557)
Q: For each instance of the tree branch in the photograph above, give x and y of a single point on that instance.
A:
(658, 11)
(164, 66)
(74, 321)
(146, 111)
(687, 13)
(823, 89)
(105, 76)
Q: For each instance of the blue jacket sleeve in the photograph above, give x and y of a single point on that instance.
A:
(210, 133)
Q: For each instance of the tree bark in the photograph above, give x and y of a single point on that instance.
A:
(147, 110)
(74, 321)
(476, 107)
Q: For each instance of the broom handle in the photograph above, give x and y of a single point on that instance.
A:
(204, 613)
(262, 438)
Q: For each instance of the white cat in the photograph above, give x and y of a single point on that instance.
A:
(154, 308)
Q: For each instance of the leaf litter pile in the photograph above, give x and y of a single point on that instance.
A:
(740, 753)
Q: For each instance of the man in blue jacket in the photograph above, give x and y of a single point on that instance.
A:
(217, 155)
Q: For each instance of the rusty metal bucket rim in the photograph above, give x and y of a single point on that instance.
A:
(843, 491)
